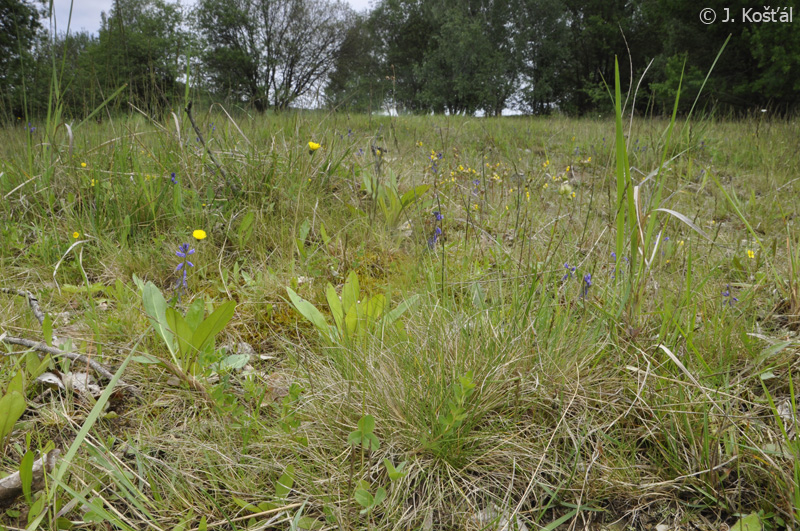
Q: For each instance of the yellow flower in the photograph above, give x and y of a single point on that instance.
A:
(313, 146)
(567, 168)
(93, 182)
(680, 243)
(83, 164)
(199, 234)
(76, 235)
(751, 254)
(419, 144)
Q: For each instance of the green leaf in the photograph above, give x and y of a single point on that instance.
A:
(12, 406)
(310, 312)
(155, 306)
(350, 292)
(233, 362)
(194, 315)
(375, 307)
(371, 442)
(17, 384)
(395, 314)
(336, 307)
(245, 230)
(324, 233)
(146, 359)
(26, 475)
(394, 473)
(284, 484)
(751, 522)
(214, 323)
(414, 194)
(380, 495)
(364, 498)
(366, 424)
(355, 438)
(351, 320)
(180, 328)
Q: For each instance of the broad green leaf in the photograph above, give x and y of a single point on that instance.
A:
(307, 522)
(284, 484)
(194, 315)
(233, 362)
(371, 442)
(336, 307)
(395, 314)
(751, 522)
(26, 474)
(305, 228)
(324, 233)
(351, 320)
(414, 194)
(12, 406)
(394, 473)
(366, 424)
(355, 438)
(183, 333)
(350, 292)
(380, 495)
(145, 359)
(310, 312)
(364, 498)
(245, 230)
(214, 323)
(155, 306)
(17, 384)
(375, 307)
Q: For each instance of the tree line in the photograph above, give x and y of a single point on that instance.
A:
(422, 56)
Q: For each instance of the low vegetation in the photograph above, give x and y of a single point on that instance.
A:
(356, 322)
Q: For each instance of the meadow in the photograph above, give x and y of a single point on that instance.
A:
(332, 321)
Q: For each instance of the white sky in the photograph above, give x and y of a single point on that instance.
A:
(86, 13)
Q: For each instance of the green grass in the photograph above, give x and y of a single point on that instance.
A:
(582, 407)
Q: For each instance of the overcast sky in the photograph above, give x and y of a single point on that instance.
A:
(86, 13)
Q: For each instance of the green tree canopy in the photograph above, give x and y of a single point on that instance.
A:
(19, 24)
(270, 52)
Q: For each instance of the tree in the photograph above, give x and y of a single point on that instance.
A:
(270, 52)
(141, 43)
(19, 24)
(355, 82)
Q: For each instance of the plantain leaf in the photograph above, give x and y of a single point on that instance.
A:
(310, 312)
(336, 307)
(214, 323)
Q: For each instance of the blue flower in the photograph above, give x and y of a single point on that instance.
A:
(173, 178)
(587, 283)
(183, 252)
(570, 271)
(437, 215)
(433, 239)
(727, 299)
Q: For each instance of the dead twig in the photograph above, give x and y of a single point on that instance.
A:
(53, 351)
(32, 301)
